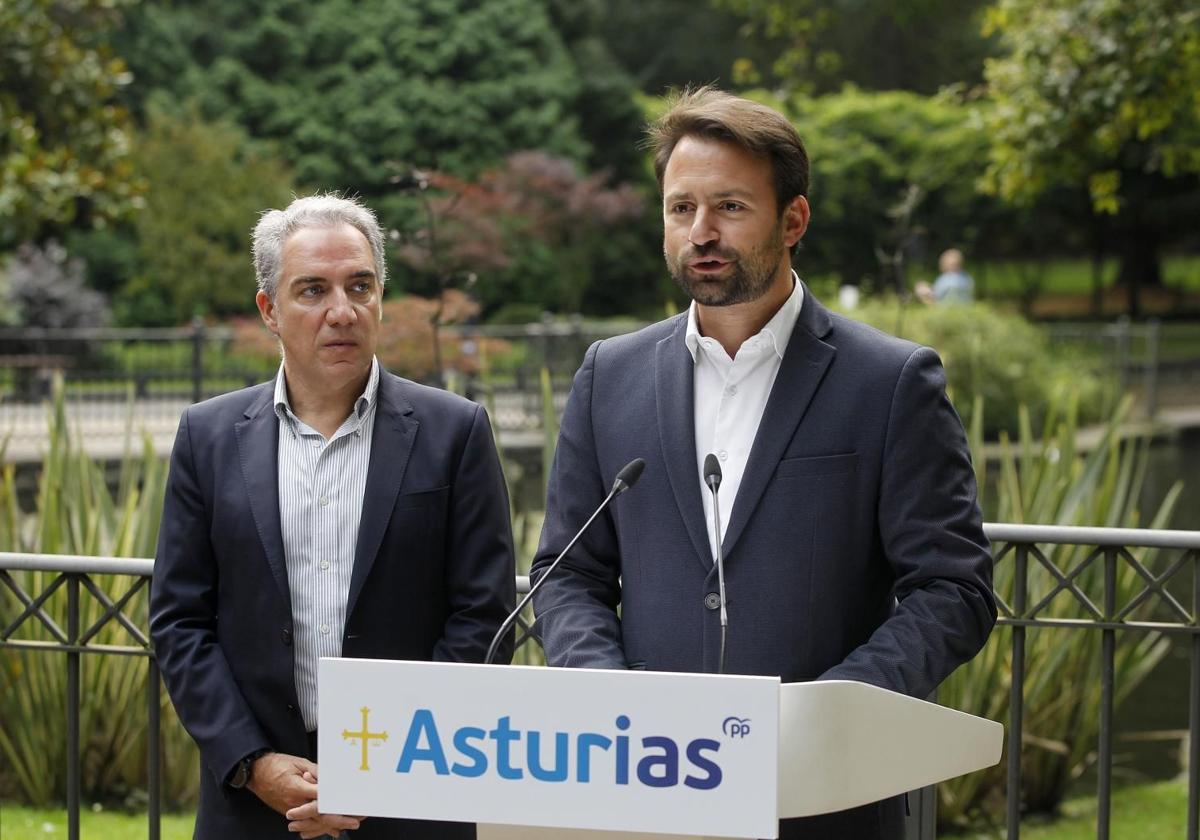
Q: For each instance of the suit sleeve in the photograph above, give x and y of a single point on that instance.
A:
(577, 606)
(932, 535)
(481, 572)
(183, 619)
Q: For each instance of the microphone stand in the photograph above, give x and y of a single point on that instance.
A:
(625, 479)
(712, 477)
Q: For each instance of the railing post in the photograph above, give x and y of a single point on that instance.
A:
(197, 359)
(73, 665)
(1193, 830)
(1151, 373)
(153, 748)
(1123, 327)
(1108, 638)
(1016, 703)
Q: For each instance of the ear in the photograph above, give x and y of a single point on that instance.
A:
(795, 220)
(266, 308)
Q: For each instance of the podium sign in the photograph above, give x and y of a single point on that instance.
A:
(622, 751)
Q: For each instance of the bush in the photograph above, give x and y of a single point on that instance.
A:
(997, 357)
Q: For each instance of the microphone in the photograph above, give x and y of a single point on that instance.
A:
(625, 479)
(712, 477)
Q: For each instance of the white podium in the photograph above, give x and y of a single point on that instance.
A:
(555, 753)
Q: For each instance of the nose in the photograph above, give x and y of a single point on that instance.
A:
(340, 311)
(704, 230)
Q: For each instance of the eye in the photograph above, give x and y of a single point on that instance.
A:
(681, 207)
(362, 287)
(311, 291)
(731, 206)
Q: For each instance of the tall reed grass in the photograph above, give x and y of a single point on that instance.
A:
(1047, 481)
(75, 512)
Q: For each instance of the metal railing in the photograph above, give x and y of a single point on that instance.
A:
(1026, 547)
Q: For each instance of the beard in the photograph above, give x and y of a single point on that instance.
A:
(747, 277)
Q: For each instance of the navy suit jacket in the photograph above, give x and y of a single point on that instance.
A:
(854, 550)
(433, 577)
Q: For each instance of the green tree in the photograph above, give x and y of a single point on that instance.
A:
(917, 45)
(892, 173)
(1100, 96)
(207, 183)
(356, 92)
(64, 139)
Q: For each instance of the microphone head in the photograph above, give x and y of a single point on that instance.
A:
(628, 475)
(712, 470)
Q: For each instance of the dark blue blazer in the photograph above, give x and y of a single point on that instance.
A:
(854, 550)
(433, 577)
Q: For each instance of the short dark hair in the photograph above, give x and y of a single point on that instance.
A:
(713, 114)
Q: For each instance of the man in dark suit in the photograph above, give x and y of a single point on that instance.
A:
(335, 511)
(853, 544)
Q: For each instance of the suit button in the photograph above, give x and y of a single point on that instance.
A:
(292, 710)
(712, 600)
(286, 636)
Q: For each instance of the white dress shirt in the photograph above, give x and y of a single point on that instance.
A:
(321, 487)
(730, 396)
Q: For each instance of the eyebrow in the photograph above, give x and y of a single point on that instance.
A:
(720, 196)
(316, 278)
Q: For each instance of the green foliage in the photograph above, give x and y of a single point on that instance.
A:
(995, 357)
(1092, 89)
(64, 139)
(918, 45)
(76, 513)
(352, 91)
(1049, 482)
(207, 185)
(887, 169)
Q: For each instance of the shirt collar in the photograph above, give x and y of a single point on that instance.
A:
(283, 407)
(778, 329)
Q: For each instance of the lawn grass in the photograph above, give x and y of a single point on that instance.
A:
(1155, 811)
(1071, 276)
(21, 823)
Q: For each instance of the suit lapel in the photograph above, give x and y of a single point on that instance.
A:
(391, 445)
(674, 387)
(803, 366)
(258, 449)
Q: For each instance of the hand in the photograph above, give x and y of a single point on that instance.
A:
(308, 822)
(283, 781)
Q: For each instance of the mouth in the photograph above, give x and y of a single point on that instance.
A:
(712, 265)
(340, 344)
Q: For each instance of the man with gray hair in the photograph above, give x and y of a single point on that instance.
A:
(337, 510)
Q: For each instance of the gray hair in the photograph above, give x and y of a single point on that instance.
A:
(321, 210)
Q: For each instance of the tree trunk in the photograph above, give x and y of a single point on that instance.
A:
(1140, 264)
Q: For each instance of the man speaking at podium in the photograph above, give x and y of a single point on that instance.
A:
(851, 539)
(337, 510)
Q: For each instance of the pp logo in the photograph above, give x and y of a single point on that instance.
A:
(735, 727)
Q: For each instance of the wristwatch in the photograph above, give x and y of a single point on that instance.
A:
(241, 773)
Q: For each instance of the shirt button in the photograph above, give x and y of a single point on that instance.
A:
(324, 564)
(712, 600)
(324, 629)
(324, 501)
(731, 390)
(316, 444)
(723, 455)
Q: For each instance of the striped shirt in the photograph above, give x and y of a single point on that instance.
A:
(321, 486)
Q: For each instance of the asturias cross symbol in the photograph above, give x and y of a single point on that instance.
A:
(365, 735)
